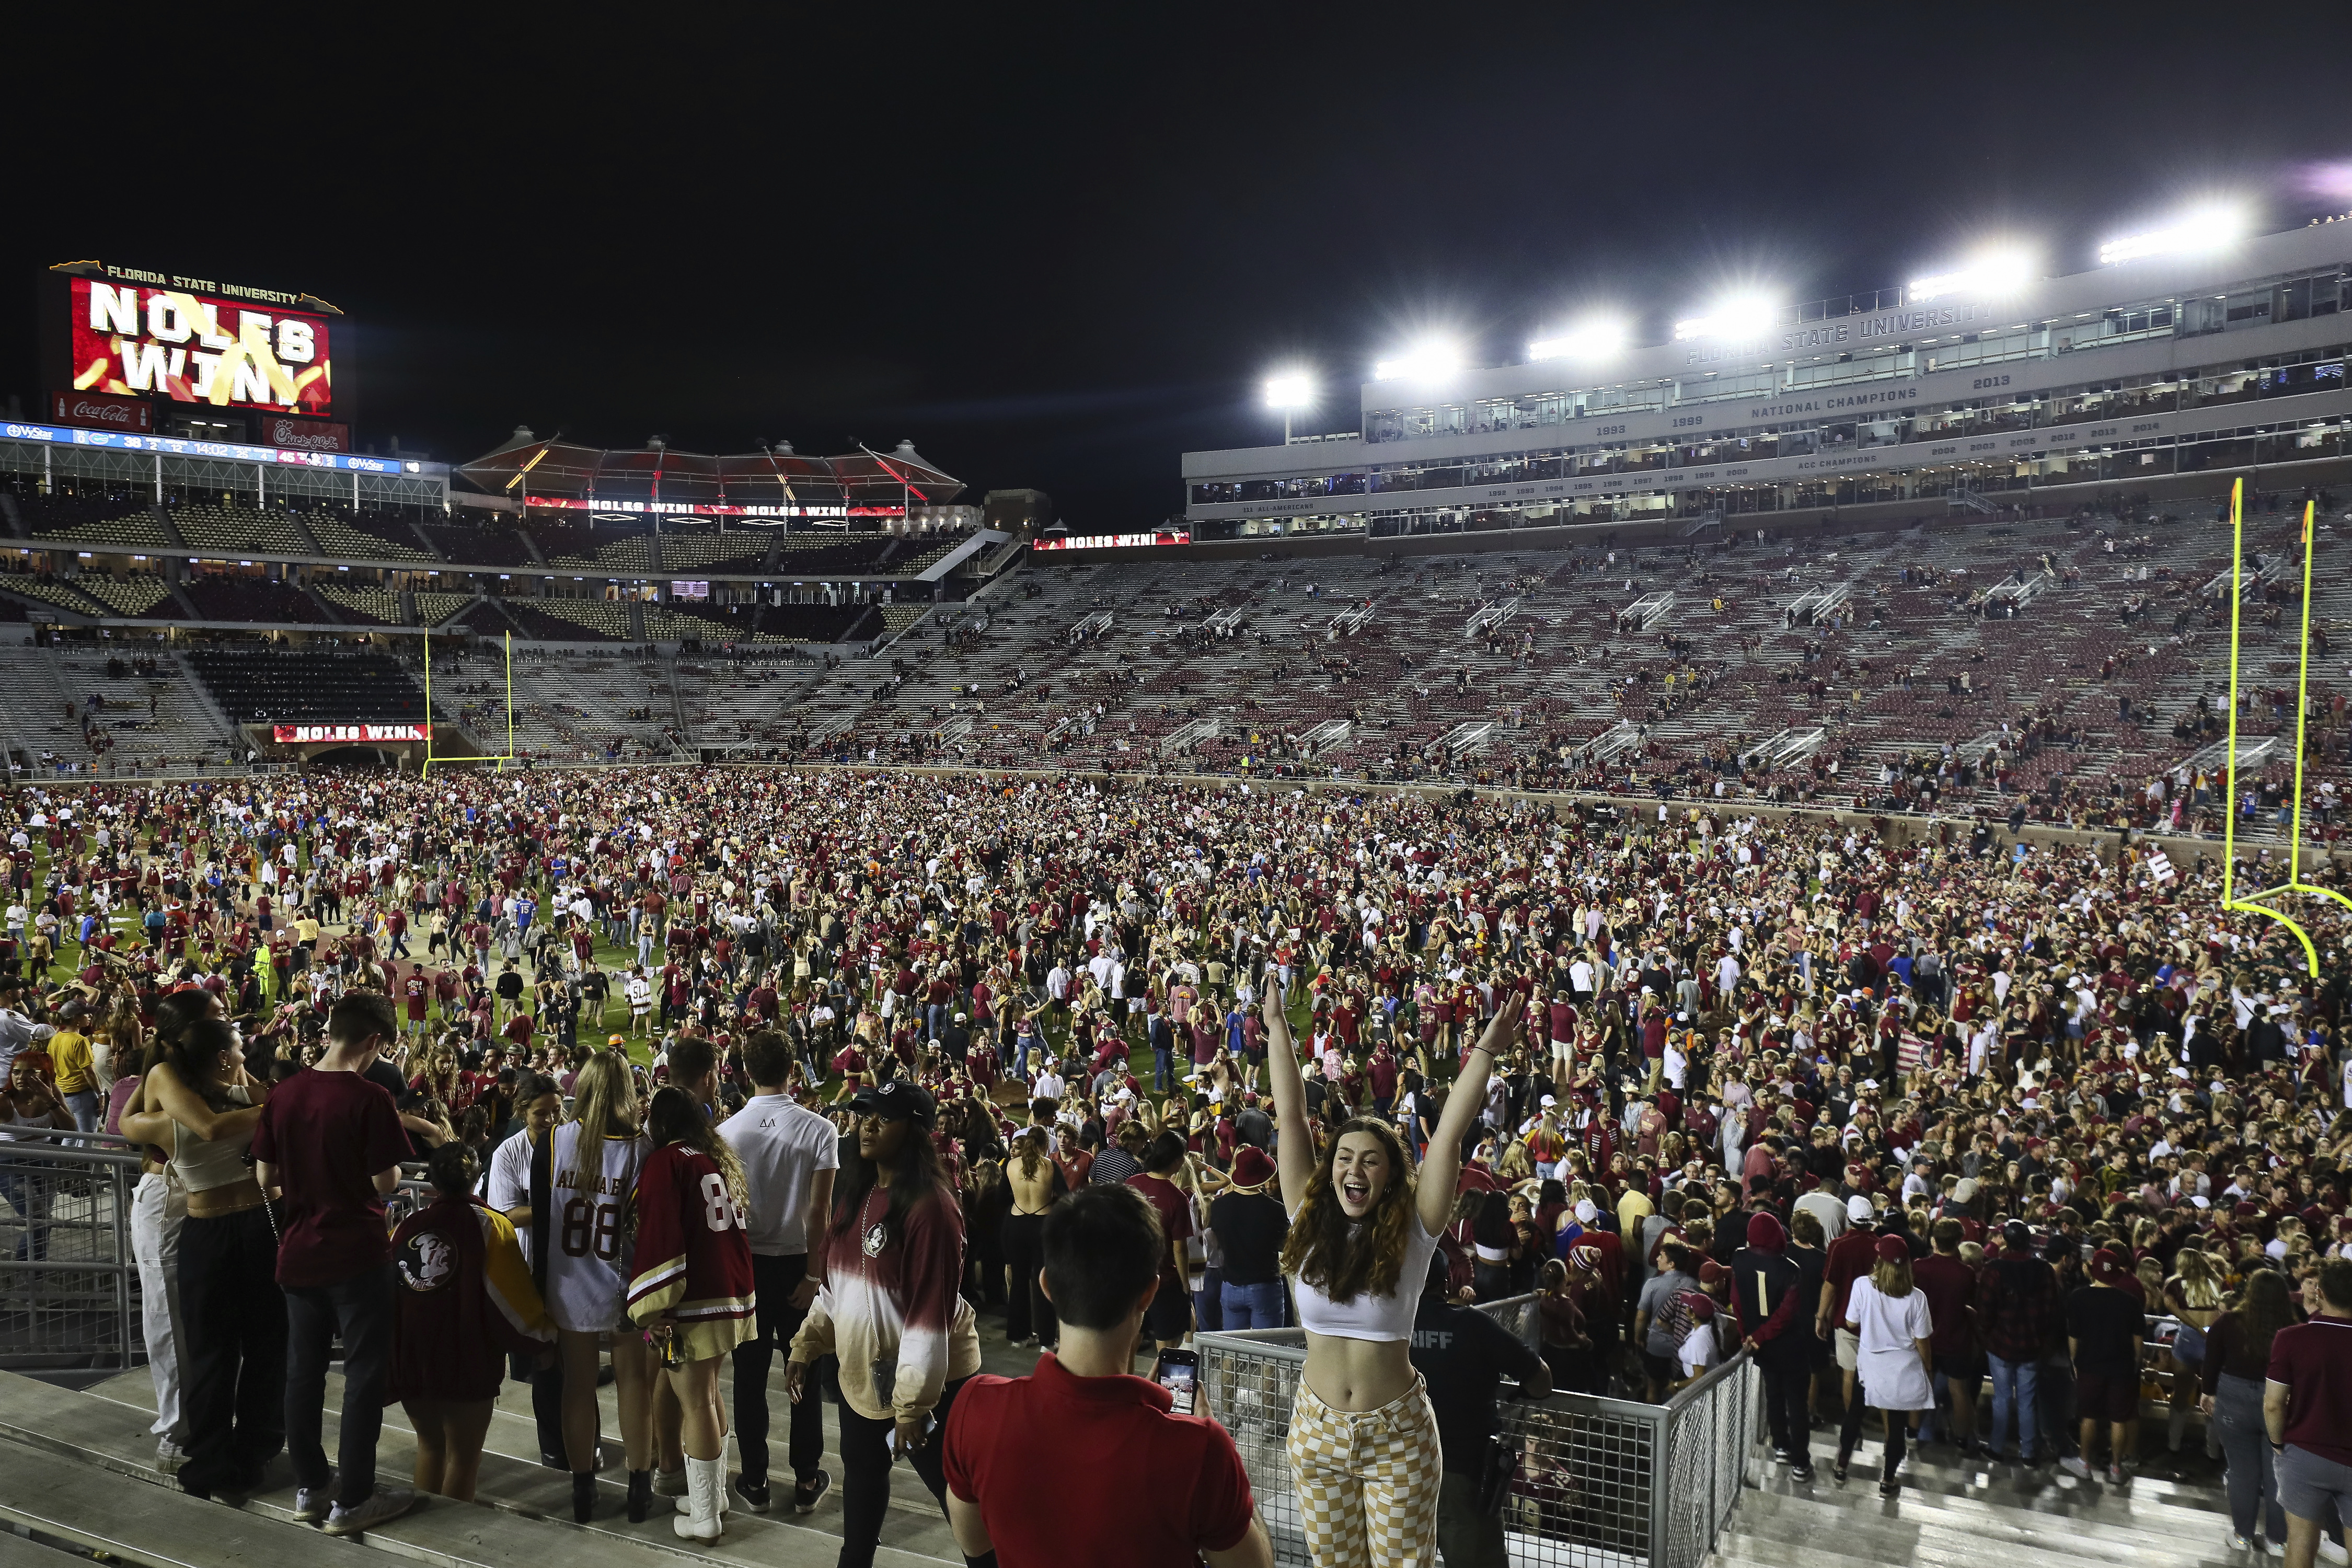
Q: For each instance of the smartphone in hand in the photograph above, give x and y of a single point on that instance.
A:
(1179, 1371)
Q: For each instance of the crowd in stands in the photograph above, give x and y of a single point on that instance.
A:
(1900, 1117)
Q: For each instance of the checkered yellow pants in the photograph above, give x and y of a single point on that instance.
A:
(1368, 1480)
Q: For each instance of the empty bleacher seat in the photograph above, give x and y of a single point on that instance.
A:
(129, 521)
(470, 545)
(253, 686)
(209, 526)
(573, 620)
(251, 601)
(740, 551)
(365, 537)
(363, 603)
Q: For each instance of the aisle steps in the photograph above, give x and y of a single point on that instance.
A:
(1951, 1514)
(523, 1511)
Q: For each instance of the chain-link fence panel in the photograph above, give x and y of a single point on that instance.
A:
(1247, 1382)
(68, 1284)
(1586, 1486)
(1598, 1483)
(1710, 1429)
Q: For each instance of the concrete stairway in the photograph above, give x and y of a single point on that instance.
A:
(1972, 1514)
(94, 1446)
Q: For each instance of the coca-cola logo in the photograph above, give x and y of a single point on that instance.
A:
(105, 412)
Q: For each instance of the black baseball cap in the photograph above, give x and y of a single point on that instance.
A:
(897, 1100)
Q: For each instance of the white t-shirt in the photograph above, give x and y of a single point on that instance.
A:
(1889, 1329)
(508, 1183)
(1698, 1350)
(782, 1147)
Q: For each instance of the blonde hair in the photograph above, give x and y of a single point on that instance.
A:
(1892, 1276)
(605, 1104)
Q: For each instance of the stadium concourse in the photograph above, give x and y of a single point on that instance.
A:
(1945, 1044)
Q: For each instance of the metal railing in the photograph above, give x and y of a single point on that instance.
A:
(68, 1284)
(1602, 1481)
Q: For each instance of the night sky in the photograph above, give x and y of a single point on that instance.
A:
(1057, 247)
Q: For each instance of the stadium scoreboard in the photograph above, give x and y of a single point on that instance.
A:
(112, 331)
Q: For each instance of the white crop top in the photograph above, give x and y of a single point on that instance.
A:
(1370, 1317)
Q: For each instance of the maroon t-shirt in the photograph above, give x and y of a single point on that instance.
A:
(1175, 1222)
(1949, 1285)
(2315, 1361)
(327, 1135)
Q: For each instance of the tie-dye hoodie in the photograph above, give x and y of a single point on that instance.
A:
(891, 1307)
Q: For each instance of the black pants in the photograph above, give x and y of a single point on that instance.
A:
(779, 1320)
(232, 1350)
(1849, 1433)
(1027, 1313)
(866, 1476)
(546, 1405)
(1785, 1409)
(359, 1310)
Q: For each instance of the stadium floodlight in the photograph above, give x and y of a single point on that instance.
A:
(1740, 316)
(1430, 361)
(1994, 273)
(1290, 392)
(2204, 228)
(1588, 340)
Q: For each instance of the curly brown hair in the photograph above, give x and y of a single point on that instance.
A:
(1343, 1257)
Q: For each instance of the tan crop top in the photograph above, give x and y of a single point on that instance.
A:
(205, 1162)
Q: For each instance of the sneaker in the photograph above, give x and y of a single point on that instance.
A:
(170, 1455)
(2269, 1548)
(1802, 1474)
(2075, 1466)
(1779, 1456)
(755, 1494)
(1839, 1470)
(2115, 1475)
(1890, 1489)
(383, 1504)
(1903, 1465)
(2329, 1552)
(806, 1493)
(313, 1504)
(2232, 1540)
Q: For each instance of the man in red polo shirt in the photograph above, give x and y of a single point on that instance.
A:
(1103, 1250)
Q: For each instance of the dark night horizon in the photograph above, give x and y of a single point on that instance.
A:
(1058, 252)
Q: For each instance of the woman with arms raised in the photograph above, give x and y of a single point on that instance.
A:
(1363, 1446)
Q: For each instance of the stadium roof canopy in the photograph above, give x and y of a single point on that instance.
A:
(564, 473)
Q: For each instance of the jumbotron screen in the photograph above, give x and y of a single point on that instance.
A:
(129, 338)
